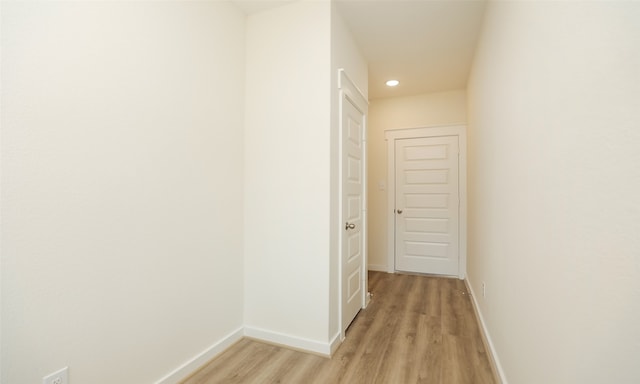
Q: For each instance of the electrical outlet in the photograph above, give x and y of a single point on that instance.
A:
(484, 290)
(59, 377)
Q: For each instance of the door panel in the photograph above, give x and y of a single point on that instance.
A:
(427, 205)
(352, 211)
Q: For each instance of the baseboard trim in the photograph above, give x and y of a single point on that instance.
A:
(335, 343)
(496, 367)
(288, 341)
(191, 366)
(377, 267)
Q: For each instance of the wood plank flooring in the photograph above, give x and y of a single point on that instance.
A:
(417, 329)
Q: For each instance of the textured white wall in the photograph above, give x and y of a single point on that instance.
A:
(400, 112)
(121, 186)
(346, 55)
(553, 189)
(287, 172)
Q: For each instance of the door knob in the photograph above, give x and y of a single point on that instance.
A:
(399, 211)
(349, 226)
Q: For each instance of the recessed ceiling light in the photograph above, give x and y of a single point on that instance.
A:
(393, 83)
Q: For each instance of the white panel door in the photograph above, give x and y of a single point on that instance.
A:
(352, 212)
(427, 205)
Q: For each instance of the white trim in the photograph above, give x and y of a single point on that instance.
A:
(344, 81)
(377, 267)
(462, 176)
(391, 135)
(486, 338)
(190, 366)
(335, 342)
(289, 341)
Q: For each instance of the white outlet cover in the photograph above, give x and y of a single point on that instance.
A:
(59, 377)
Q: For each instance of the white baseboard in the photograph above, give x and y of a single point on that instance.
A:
(335, 343)
(288, 341)
(377, 267)
(196, 362)
(493, 356)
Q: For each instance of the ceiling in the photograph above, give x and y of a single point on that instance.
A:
(427, 45)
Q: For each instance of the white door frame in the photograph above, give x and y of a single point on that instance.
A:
(391, 135)
(349, 92)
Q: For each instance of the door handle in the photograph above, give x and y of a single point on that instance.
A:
(399, 211)
(349, 226)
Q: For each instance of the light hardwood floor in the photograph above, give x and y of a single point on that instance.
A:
(417, 329)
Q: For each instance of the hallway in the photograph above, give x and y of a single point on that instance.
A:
(417, 329)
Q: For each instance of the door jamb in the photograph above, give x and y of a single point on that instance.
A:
(391, 135)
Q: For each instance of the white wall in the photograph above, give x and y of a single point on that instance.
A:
(393, 113)
(1, 221)
(553, 189)
(346, 55)
(287, 174)
(122, 207)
